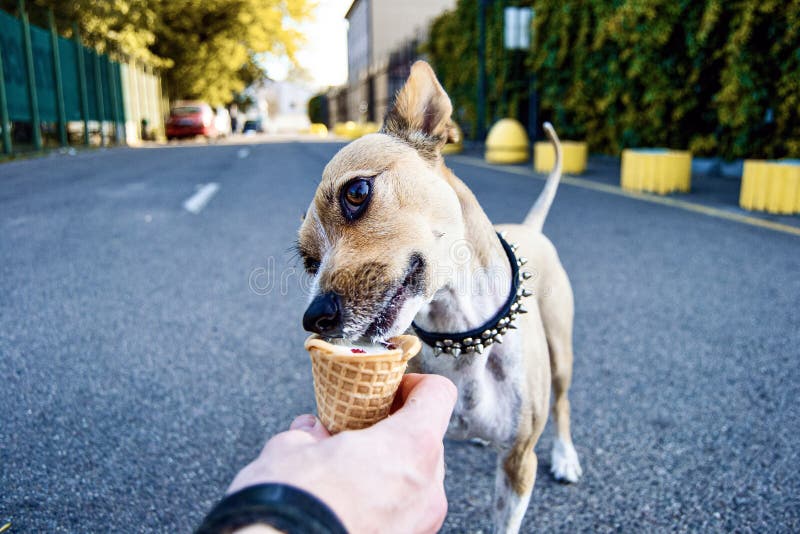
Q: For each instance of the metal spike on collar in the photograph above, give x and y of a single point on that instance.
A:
(493, 334)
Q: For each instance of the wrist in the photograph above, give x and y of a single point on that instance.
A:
(282, 507)
(259, 528)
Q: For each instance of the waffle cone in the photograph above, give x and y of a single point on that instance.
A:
(355, 391)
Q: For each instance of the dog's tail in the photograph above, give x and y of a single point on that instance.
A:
(540, 209)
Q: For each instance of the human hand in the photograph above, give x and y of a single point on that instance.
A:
(386, 478)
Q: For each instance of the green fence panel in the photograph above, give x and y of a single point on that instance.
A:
(105, 95)
(69, 79)
(14, 68)
(115, 80)
(91, 88)
(120, 102)
(105, 72)
(43, 67)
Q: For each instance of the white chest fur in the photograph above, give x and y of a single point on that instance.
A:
(489, 387)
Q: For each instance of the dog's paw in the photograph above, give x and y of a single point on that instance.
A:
(564, 463)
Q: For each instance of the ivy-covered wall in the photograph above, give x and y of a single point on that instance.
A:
(719, 77)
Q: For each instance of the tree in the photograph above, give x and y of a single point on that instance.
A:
(207, 50)
(214, 45)
(123, 26)
(719, 78)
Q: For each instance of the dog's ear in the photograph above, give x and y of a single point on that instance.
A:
(421, 113)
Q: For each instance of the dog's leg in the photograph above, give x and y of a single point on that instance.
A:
(514, 479)
(565, 465)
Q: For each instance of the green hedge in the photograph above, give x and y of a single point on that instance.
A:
(717, 77)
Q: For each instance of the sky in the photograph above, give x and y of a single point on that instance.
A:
(324, 55)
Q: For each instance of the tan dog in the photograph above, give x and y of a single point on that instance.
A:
(392, 236)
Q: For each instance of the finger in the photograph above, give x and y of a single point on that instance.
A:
(406, 385)
(279, 444)
(310, 424)
(426, 410)
(440, 469)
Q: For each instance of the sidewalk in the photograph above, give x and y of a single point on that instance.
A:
(716, 192)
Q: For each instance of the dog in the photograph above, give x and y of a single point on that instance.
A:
(392, 237)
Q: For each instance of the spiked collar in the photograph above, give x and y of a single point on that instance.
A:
(491, 331)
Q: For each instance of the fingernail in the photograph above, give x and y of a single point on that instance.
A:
(304, 422)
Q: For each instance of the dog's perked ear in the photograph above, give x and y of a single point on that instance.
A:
(421, 113)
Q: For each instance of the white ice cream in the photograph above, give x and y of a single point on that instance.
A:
(348, 346)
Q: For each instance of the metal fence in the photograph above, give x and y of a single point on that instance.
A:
(55, 90)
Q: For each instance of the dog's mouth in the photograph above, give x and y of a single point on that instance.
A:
(411, 285)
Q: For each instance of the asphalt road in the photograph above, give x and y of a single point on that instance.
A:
(140, 369)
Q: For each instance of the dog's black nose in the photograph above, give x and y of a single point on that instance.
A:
(323, 315)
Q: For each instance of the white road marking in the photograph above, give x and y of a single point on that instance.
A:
(198, 201)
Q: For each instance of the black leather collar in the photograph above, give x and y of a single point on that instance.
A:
(491, 331)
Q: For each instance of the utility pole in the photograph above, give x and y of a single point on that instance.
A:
(517, 22)
(480, 129)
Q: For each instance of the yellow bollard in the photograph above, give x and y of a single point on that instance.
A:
(319, 129)
(507, 142)
(458, 146)
(574, 154)
(771, 186)
(657, 171)
(348, 130)
(369, 127)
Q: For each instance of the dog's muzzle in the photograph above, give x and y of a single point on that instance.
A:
(324, 315)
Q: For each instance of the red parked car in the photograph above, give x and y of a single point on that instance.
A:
(190, 119)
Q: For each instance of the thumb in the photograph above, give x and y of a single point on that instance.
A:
(427, 403)
(311, 425)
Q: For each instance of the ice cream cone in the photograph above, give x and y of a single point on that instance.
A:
(355, 391)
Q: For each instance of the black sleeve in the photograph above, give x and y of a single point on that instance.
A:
(281, 506)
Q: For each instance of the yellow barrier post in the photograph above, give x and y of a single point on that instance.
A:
(317, 128)
(368, 128)
(574, 154)
(771, 186)
(507, 142)
(657, 171)
(458, 146)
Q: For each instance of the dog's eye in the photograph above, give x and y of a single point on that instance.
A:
(355, 197)
(311, 265)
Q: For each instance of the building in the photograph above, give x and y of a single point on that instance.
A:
(382, 41)
(281, 105)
